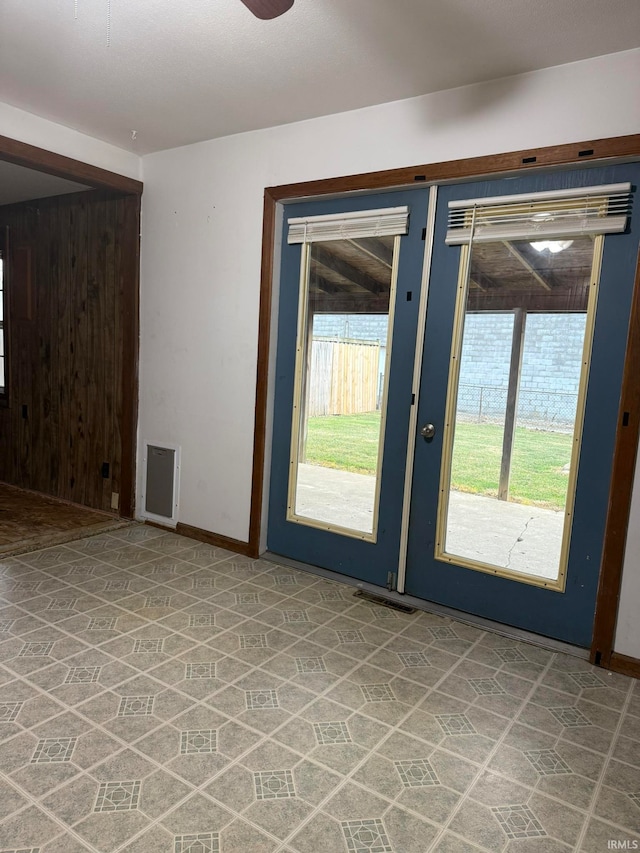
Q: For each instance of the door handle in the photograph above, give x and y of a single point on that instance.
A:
(427, 431)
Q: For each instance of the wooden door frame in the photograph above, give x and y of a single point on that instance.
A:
(41, 160)
(601, 151)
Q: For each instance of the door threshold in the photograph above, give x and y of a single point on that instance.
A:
(431, 607)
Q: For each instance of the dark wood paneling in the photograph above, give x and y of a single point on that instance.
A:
(67, 351)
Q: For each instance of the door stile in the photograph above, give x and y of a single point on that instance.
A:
(415, 387)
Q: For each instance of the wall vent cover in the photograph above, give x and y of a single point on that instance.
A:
(161, 470)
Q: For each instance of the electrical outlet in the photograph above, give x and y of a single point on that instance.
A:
(115, 500)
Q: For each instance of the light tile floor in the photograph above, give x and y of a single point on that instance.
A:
(158, 695)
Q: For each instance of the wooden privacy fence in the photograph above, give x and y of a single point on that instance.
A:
(343, 379)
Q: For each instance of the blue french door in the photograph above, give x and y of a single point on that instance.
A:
(348, 311)
(517, 396)
(456, 528)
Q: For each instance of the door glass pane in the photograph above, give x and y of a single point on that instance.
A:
(343, 351)
(516, 406)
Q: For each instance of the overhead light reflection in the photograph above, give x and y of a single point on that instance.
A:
(553, 246)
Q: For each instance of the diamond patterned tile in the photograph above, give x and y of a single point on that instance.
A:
(198, 741)
(274, 784)
(261, 700)
(9, 711)
(295, 616)
(62, 604)
(416, 773)
(507, 655)
(310, 665)
(83, 675)
(587, 679)
(142, 647)
(117, 585)
(158, 601)
(570, 717)
(547, 762)
(377, 693)
(36, 649)
(285, 580)
(253, 641)
(136, 706)
(332, 595)
(518, 821)
(102, 623)
(203, 842)
(382, 612)
(442, 633)
(455, 724)
(411, 659)
(366, 836)
(331, 733)
(117, 796)
(201, 620)
(204, 583)
(52, 749)
(200, 670)
(328, 701)
(346, 637)
(486, 686)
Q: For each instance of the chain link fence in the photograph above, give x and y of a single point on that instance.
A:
(553, 411)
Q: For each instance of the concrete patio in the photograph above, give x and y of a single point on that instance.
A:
(516, 536)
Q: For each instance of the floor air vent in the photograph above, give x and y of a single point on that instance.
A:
(383, 602)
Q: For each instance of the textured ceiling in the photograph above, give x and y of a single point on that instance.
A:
(180, 71)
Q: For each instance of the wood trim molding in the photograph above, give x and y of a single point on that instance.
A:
(130, 289)
(625, 665)
(31, 157)
(617, 149)
(216, 540)
(624, 461)
(262, 374)
(7, 270)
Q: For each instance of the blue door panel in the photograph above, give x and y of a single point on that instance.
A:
(364, 560)
(567, 616)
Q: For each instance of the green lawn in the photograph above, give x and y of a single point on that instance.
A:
(536, 465)
(350, 442)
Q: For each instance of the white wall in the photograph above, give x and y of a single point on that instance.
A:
(202, 218)
(628, 628)
(27, 127)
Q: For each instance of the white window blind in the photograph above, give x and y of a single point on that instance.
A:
(342, 226)
(541, 216)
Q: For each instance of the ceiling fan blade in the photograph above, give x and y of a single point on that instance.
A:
(267, 9)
